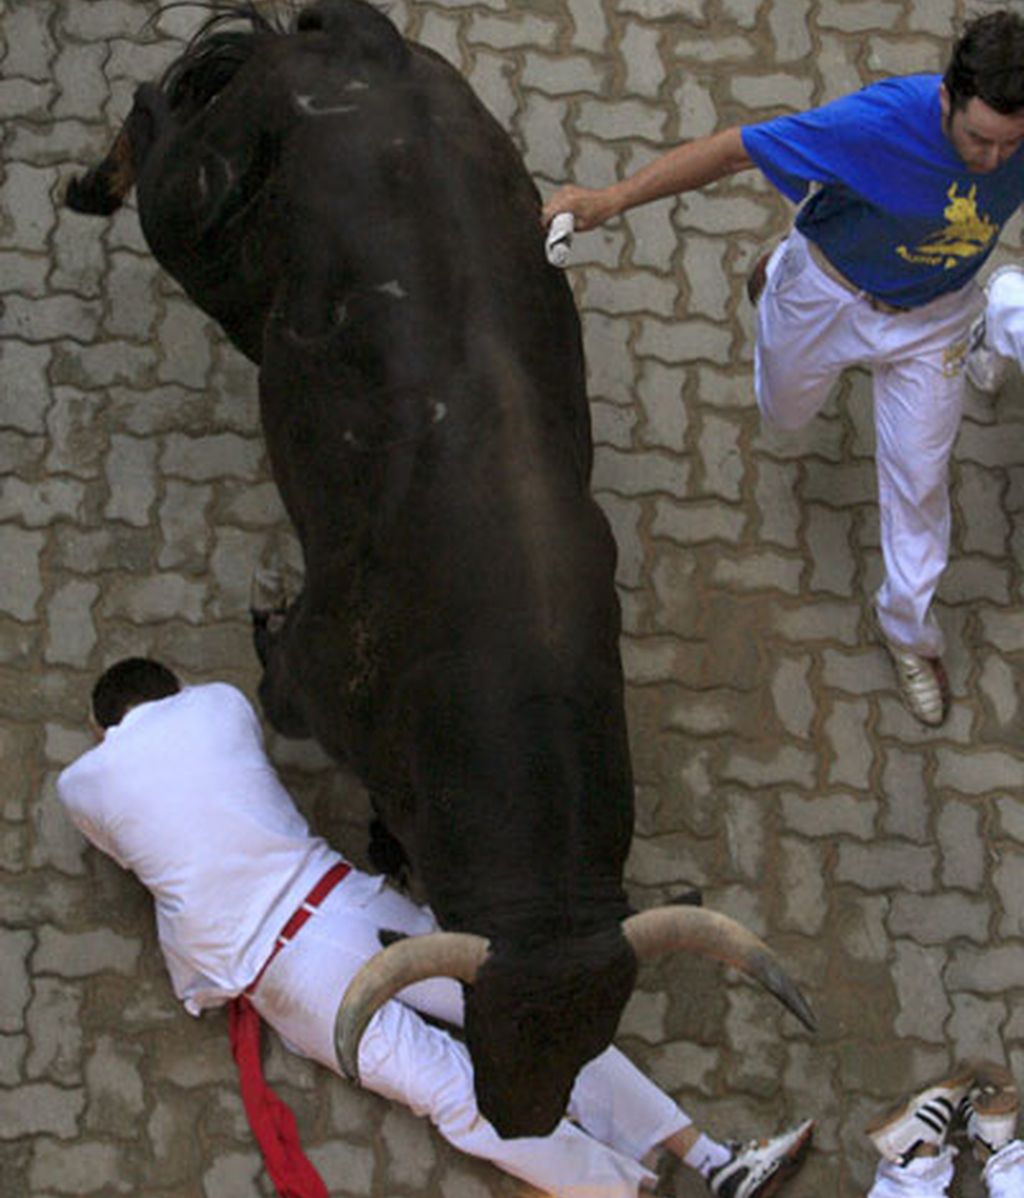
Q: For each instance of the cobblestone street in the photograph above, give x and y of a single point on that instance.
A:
(775, 764)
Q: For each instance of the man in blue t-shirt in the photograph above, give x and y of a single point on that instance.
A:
(903, 188)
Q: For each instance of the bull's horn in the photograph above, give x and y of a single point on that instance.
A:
(436, 955)
(666, 929)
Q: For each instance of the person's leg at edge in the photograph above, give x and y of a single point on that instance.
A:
(1004, 1171)
(620, 1106)
(923, 1177)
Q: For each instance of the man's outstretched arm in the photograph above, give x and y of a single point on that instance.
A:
(684, 168)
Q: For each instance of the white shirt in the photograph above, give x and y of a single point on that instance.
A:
(181, 793)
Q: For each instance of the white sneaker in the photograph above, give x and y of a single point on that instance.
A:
(922, 1121)
(757, 1169)
(985, 369)
(990, 1109)
(923, 684)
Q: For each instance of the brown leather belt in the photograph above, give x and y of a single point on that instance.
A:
(826, 267)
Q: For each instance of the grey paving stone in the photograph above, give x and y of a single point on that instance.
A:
(907, 802)
(938, 918)
(790, 30)
(805, 904)
(858, 15)
(682, 341)
(15, 990)
(852, 750)
(723, 468)
(645, 71)
(766, 570)
(28, 41)
(625, 473)
(975, 772)
(891, 56)
(882, 866)
(54, 1024)
(693, 523)
(924, 1006)
(641, 291)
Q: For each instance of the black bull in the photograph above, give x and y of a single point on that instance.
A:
(339, 201)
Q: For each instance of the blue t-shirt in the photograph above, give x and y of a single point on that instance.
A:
(896, 211)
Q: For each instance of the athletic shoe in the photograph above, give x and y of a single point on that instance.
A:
(757, 1169)
(923, 684)
(922, 1121)
(984, 368)
(990, 1109)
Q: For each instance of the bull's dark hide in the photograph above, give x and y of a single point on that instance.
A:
(360, 226)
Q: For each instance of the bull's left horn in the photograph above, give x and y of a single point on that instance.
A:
(666, 929)
(438, 954)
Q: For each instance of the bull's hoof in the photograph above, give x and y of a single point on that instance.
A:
(268, 600)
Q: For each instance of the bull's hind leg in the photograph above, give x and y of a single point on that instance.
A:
(272, 618)
(268, 608)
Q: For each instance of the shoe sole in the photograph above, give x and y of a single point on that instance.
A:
(904, 1110)
(791, 1163)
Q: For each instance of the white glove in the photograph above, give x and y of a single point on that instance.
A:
(559, 239)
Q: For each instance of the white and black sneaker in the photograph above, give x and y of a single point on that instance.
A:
(757, 1169)
(921, 1123)
(990, 1109)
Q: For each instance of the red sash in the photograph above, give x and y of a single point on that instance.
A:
(271, 1120)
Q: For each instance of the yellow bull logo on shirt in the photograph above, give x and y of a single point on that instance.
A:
(967, 233)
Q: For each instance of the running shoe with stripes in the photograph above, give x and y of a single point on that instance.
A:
(922, 1121)
(758, 1169)
(990, 1109)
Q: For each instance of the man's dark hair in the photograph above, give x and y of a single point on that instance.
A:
(988, 62)
(128, 682)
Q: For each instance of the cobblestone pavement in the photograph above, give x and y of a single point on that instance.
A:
(774, 764)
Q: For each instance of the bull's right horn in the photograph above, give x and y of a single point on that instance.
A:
(438, 954)
(666, 929)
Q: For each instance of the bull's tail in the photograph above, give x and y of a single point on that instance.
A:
(102, 190)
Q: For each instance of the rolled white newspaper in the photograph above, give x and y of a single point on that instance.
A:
(559, 239)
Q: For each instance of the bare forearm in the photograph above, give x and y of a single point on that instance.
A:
(688, 166)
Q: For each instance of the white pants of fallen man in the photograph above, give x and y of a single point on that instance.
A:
(929, 1177)
(617, 1116)
(810, 328)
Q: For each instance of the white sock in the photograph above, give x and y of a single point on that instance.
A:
(706, 1154)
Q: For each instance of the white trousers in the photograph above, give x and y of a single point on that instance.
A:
(616, 1114)
(929, 1177)
(809, 329)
